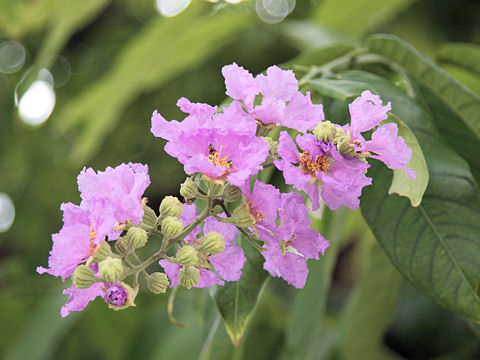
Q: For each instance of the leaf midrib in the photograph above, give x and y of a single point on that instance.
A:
(447, 250)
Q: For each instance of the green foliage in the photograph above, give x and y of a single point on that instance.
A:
(461, 54)
(236, 300)
(401, 183)
(338, 89)
(434, 245)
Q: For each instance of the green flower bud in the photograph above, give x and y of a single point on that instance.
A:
(102, 251)
(231, 193)
(339, 135)
(187, 255)
(149, 216)
(171, 206)
(189, 276)
(325, 131)
(345, 147)
(242, 217)
(189, 189)
(83, 277)
(171, 227)
(122, 245)
(213, 186)
(158, 282)
(111, 269)
(136, 237)
(214, 243)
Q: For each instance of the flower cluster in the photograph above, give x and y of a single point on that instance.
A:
(223, 151)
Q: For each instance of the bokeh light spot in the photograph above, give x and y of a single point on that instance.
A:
(12, 56)
(274, 11)
(171, 8)
(7, 212)
(36, 105)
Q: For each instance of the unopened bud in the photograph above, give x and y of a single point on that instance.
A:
(158, 282)
(102, 251)
(340, 134)
(119, 295)
(136, 237)
(171, 206)
(111, 269)
(189, 189)
(345, 146)
(242, 217)
(231, 193)
(149, 216)
(214, 243)
(171, 227)
(213, 186)
(325, 131)
(187, 255)
(189, 276)
(83, 277)
(122, 245)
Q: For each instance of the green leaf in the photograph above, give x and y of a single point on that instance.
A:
(163, 49)
(358, 16)
(236, 300)
(371, 307)
(436, 245)
(464, 102)
(320, 56)
(460, 54)
(401, 183)
(338, 89)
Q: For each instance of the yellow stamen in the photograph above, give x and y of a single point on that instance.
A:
(258, 216)
(214, 158)
(308, 166)
(93, 236)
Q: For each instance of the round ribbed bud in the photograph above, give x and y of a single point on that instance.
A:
(231, 193)
(171, 227)
(158, 282)
(122, 245)
(339, 135)
(213, 186)
(136, 237)
(83, 277)
(325, 131)
(149, 216)
(187, 255)
(189, 189)
(102, 251)
(171, 206)
(189, 276)
(111, 269)
(214, 243)
(345, 147)
(242, 217)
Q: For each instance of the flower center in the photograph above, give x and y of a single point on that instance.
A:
(309, 166)
(256, 214)
(93, 236)
(284, 244)
(215, 158)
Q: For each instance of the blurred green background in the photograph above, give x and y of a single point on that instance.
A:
(110, 64)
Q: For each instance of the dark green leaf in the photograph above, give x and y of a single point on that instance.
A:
(236, 300)
(436, 246)
(460, 54)
(401, 183)
(464, 102)
(338, 89)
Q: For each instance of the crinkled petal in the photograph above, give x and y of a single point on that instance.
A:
(301, 114)
(287, 149)
(291, 267)
(390, 148)
(208, 278)
(278, 83)
(171, 270)
(229, 231)
(366, 112)
(310, 243)
(240, 84)
(229, 263)
(270, 111)
(198, 109)
(162, 128)
(79, 298)
(189, 214)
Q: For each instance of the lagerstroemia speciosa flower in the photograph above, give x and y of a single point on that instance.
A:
(223, 150)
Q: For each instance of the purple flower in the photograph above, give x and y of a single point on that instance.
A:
(213, 147)
(115, 294)
(321, 165)
(82, 231)
(282, 103)
(121, 187)
(367, 113)
(79, 298)
(289, 245)
(263, 202)
(189, 214)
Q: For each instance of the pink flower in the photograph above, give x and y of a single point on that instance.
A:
(79, 298)
(263, 202)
